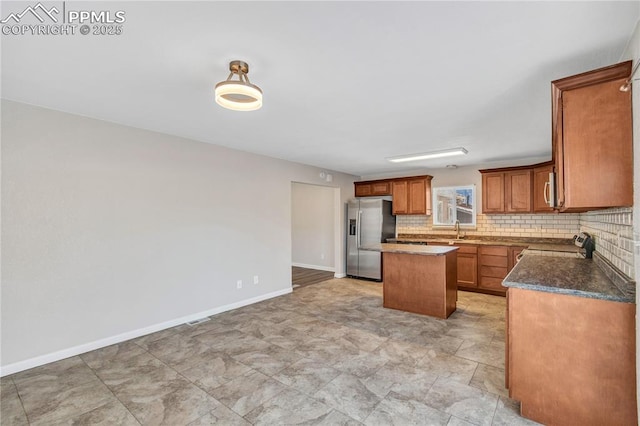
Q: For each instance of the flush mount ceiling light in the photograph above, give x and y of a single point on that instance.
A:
(428, 155)
(238, 95)
(627, 84)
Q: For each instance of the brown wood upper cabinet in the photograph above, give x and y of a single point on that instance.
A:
(543, 192)
(507, 191)
(492, 192)
(372, 188)
(592, 139)
(517, 190)
(411, 195)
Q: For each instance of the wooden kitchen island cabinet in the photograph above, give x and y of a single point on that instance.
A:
(420, 279)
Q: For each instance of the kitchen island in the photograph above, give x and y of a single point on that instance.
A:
(570, 349)
(419, 279)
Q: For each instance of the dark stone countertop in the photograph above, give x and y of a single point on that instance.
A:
(410, 249)
(565, 275)
(565, 248)
(559, 244)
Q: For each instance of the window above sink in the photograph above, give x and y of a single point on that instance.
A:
(452, 203)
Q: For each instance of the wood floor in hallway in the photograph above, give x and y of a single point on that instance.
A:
(301, 277)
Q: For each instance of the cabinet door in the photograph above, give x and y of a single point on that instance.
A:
(372, 188)
(467, 270)
(518, 191)
(513, 256)
(380, 188)
(493, 193)
(417, 197)
(400, 193)
(363, 189)
(592, 139)
(542, 190)
(597, 147)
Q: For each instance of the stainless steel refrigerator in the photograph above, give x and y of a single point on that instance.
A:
(369, 221)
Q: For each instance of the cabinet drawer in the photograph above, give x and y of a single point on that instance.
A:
(467, 249)
(492, 283)
(494, 261)
(494, 250)
(493, 271)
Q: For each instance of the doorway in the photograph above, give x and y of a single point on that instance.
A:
(313, 233)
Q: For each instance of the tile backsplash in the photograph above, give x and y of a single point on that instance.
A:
(612, 231)
(532, 225)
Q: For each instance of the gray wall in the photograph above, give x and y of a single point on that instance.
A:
(110, 232)
(313, 226)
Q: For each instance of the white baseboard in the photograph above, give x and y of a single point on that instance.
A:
(319, 268)
(80, 349)
(339, 275)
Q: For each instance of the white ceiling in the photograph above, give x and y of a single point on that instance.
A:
(345, 84)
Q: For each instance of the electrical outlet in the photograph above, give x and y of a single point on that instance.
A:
(239, 284)
(256, 280)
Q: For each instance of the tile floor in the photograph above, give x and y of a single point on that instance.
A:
(327, 354)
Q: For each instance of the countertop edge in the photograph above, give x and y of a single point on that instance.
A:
(566, 292)
(419, 250)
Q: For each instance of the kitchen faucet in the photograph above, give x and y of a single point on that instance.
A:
(457, 228)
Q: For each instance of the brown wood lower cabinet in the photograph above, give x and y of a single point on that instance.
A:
(571, 360)
(494, 263)
(467, 266)
(493, 266)
(482, 268)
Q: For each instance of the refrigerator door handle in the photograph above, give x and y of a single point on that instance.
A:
(358, 229)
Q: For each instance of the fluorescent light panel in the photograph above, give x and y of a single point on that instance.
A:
(428, 155)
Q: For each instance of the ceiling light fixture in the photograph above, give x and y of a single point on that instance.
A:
(627, 84)
(428, 155)
(238, 95)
